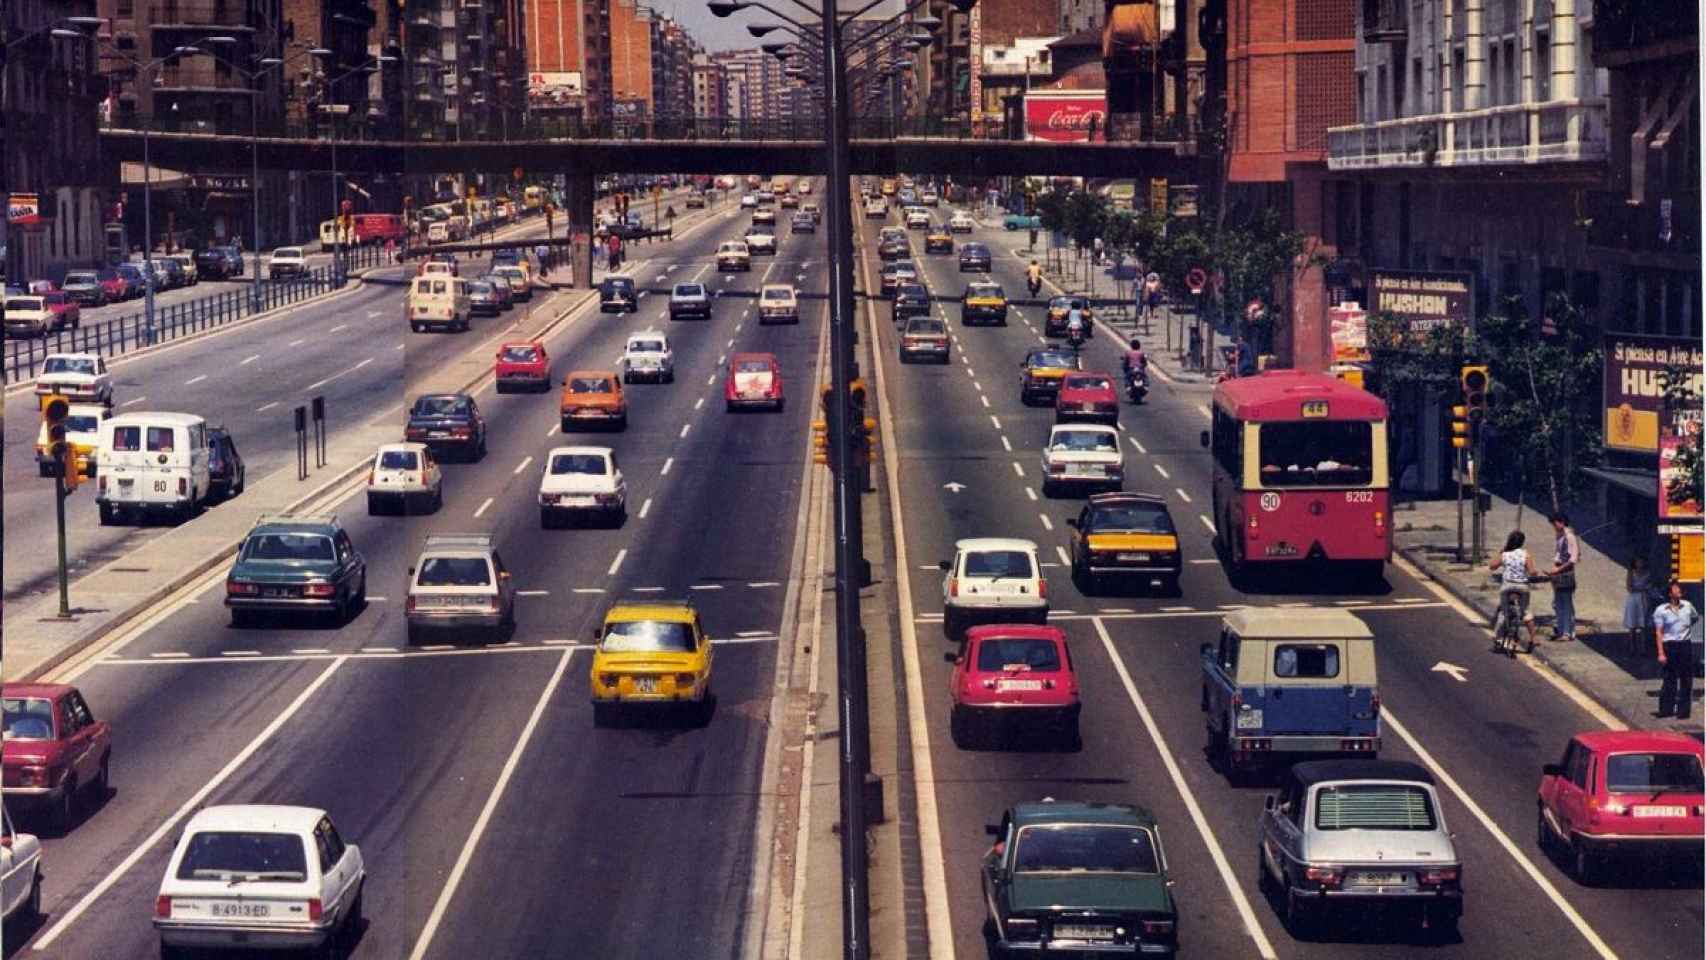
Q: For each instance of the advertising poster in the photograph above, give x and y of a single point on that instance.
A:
(1670, 443)
(1348, 325)
(1425, 298)
(1635, 365)
(1063, 116)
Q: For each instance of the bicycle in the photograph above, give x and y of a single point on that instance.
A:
(1509, 625)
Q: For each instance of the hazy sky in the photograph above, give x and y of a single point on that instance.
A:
(731, 34)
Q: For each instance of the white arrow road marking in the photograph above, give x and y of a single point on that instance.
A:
(953, 486)
(1457, 672)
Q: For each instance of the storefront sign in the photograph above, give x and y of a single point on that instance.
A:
(1064, 116)
(1425, 298)
(1634, 387)
(976, 61)
(23, 209)
(223, 182)
(1348, 326)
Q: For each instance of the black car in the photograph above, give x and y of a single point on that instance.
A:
(910, 300)
(974, 256)
(483, 298)
(618, 295)
(218, 263)
(226, 474)
(445, 422)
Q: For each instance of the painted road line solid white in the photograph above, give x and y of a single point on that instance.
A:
(645, 508)
(666, 464)
(1239, 900)
(616, 564)
(1182, 494)
(522, 465)
(462, 860)
(1018, 469)
(1522, 860)
(483, 507)
(70, 916)
(1163, 471)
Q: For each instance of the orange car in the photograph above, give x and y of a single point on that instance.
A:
(594, 397)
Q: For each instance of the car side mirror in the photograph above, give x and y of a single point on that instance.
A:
(951, 657)
(503, 574)
(411, 571)
(1552, 770)
(993, 829)
(1202, 438)
(1268, 802)
(945, 565)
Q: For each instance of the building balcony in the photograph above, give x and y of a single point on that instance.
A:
(1559, 131)
(1384, 21)
(224, 14)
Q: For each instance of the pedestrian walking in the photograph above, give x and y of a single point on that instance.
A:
(1566, 554)
(1195, 358)
(1672, 623)
(1639, 584)
(542, 253)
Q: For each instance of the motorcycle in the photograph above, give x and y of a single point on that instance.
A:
(1035, 285)
(1137, 386)
(1075, 337)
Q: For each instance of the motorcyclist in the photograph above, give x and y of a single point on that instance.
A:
(1034, 277)
(1135, 361)
(1075, 326)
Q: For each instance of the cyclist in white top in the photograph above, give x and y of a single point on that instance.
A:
(1515, 569)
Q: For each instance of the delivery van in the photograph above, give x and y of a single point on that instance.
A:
(438, 300)
(151, 464)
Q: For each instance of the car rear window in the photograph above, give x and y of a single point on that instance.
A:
(1375, 806)
(127, 439)
(399, 460)
(998, 563)
(222, 855)
(1130, 518)
(1083, 440)
(752, 366)
(82, 423)
(454, 572)
(24, 303)
(520, 354)
(645, 346)
(1075, 847)
(591, 464)
(479, 286)
(80, 277)
(1032, 653)
(1312, 661)
(28, 718)
(288, 252)
(161, 439)
(1653, 773)
(589, 385)
(689, 290)
(923, 326)
(1089, 383)
(647, 635)
(778, 294)
(69, 365)
(288, 546)
(441, 406)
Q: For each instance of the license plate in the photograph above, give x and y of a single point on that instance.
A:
(1133, 557)
(645, 684)
(1249, 719)
(1083, 931)
(1661, 811)
(1018, 685)
(1379, 879)
(278, 592)
(239, 910)
(582, 501)
(1084, 470)
(438, 434)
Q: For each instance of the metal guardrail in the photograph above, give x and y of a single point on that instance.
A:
(120, 335)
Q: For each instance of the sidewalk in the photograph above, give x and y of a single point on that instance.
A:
(1598, 662)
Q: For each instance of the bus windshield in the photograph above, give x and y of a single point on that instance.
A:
(1318, 453)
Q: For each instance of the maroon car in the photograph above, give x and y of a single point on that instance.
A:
(66, 311)
(54, 749)
(1087, 396)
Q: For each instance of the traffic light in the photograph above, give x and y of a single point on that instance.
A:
(1460, 426)
(55, 409)
(1476, 386)
(868, 445)
(820, 441)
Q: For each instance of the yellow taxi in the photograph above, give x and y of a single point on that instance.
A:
(652, 652)
(1044, 368)
(939, 240)
(1127, 535)
(983, 302)
(888, 187)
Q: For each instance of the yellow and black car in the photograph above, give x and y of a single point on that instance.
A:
(983, 302)
(1044, 368)
(1127, 535)
(939, 240)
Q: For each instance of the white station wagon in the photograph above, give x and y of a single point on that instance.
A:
(260, 876)
(581, 481)
(648, 356)
(992, 580)
(78, 376)
(1082, 456)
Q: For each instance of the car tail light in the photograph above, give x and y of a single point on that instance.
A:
(1439, 877)
(684, 679)
(372, 476)
(409, 605)
(1157, 928)
(318, 588)
(1057, 468)
(241, 588)
(1380, 520)
(1237, 701)
(493, 602)
(1325, 876)
(953, 586)
(1252, 532)
(1255, 744)
(34, 776)
(315, 909)
(102, 484)
(183, 486)
(1042, 588)
(1698, 810)
(1356, 746)
(461, 431)
(163, 907)
(1374, 704)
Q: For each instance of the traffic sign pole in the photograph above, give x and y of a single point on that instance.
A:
(59, 517)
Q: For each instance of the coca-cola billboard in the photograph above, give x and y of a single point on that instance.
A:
(1065, 116)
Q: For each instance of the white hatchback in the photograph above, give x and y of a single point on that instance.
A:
(992, 580)
(961, 223)
(404, 473)
(1082, 456)
(260, 876)
(648, 356)
(581, 481)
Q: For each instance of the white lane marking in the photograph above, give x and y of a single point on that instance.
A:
(251, 358)
(437, 646)
(706, 586)
(1239, 900)
(1031, 493)
(616, 564)
(297, 343)
(666, 464)
(731, 343)
(645, 508)
(971, 373)
(685, 427)
(722, 358)
(995, 420)
(754, 633)
(1175, 609)
(70, 916)
(449, 891)
(1018, 469)
(646, 590)
(760, 584)
(239, 653)
(1207, 522)
(554, 428)
(169, 655)
(320, 383)
(985, 401)
(587, 590)
(309, 650)
(1139, 446)
(1163, 471)
(1006, 444)
(132, 403)
(372, 599)
(1204, 410)
(698, 403)
(710, 379)
(1182, 494)
(267, 407)
(341, 326)
(1047, 523)
(521, 466)
(195, 380)
(533, 593)
(483, 507)
(1060, 552)
(1522, 860)
(400, 346)
(1352, 603)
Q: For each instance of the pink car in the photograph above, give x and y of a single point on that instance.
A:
(1018, 674)
(1633, 794)
(66, 312)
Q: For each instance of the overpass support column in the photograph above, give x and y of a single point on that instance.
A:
(577, 210)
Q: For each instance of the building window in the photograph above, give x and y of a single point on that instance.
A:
(1513, 73)
(1542, 66)
(1494, 81)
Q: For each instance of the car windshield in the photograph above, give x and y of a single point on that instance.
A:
(689, 290)
(1130, 518)
(1318, 453)
(520, 354)
(641, 636)
(1088, 383)
(286, 547)
(926, 326)
(441, 407)
(230, 855)
(79, 276)
(1653, 773)
(1083, 440)
(82, 423)
(69, 365)
(998, 563)
(1052, 358)
(589, 464)
(589, 385)
(778, 294)
(292, 253)
(1373, 806)
(24, 304)
(399, 460)
(1030, 653)
(28, 718)
(454, 572)
(645, 346)
(752, 366)
(1085, 848)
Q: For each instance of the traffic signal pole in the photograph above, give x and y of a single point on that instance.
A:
(59, 516)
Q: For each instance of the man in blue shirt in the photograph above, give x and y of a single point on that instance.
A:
(1672, 622)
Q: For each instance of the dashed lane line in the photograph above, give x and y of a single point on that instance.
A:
(666, 465)
(995, 420)
(1018, 469)
(1060, 552)
(645, 508)
(483, 508)
(1031, 493)
(698, 403)
(616, 564)
(1182, 494)
(1139, 446)
(251, 358)
(521, 466)
(132, 403)
(264, 409)
(1047, 523)
(684, 428)
(985, 401)
(1006, 444)
(1207, 522)
(1163, 471)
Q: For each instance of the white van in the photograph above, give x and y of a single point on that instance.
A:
(150, 463)
(437, 300)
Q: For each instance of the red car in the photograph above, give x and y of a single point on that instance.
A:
(54, 748)
(754, 380)
(523, 365)
(115, 286)
(66, 312)
(1635, 793)
(1087, 396)
(1013, 673)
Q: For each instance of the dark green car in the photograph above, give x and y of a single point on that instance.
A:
(1078, 879)
(296, 565)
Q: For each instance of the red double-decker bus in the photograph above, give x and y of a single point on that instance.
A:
(1300, 473)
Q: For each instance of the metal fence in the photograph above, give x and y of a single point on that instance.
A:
(120, 335)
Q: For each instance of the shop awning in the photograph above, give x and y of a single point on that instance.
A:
(1641, 483)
